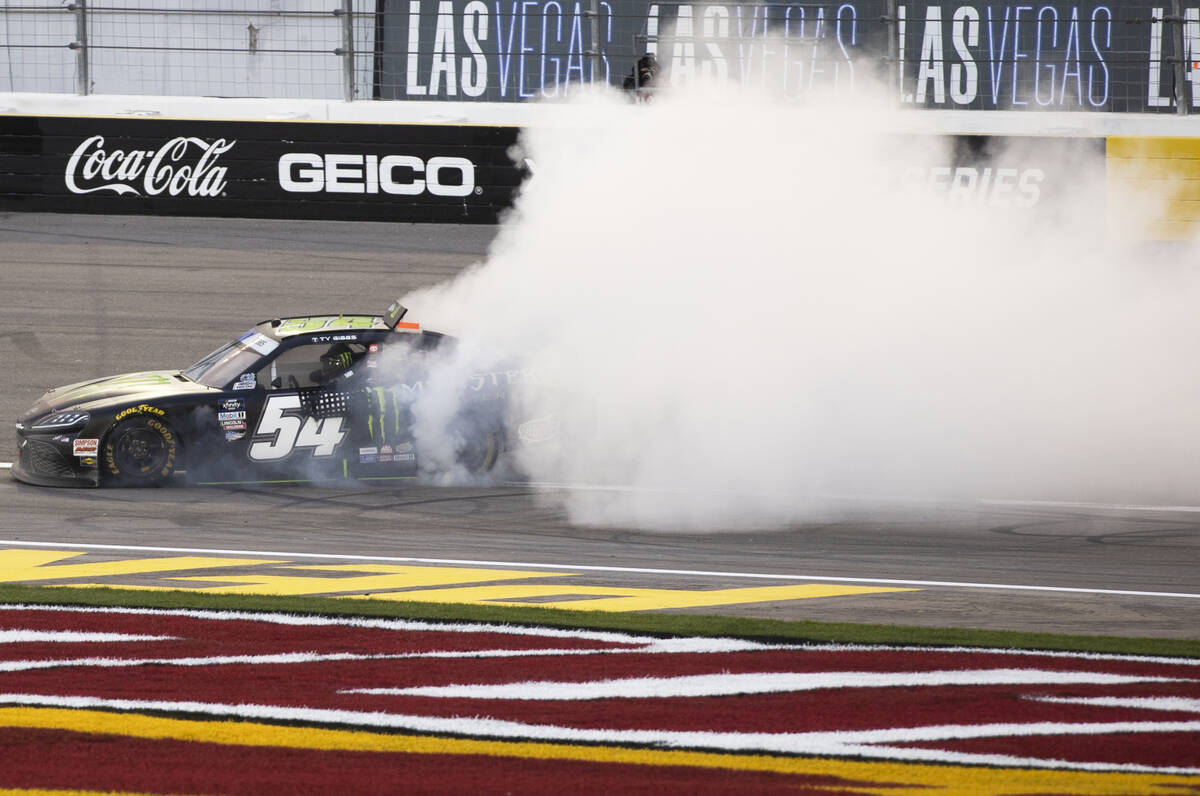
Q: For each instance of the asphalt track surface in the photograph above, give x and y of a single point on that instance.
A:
(88, 296)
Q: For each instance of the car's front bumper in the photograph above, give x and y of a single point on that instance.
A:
(48, 460)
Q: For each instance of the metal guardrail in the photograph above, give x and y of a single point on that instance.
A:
(1129, 56)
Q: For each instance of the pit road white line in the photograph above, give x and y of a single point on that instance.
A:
(589, 568)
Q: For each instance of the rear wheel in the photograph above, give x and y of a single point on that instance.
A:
(481, 452)
(141, 451)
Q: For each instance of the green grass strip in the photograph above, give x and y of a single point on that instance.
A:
(648, 623)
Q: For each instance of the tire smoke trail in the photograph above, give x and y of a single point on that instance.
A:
(744, 307)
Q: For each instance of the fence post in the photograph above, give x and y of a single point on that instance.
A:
(891, 24)
(1182, 100)
(80, 46)
(594, 13)
(346, 12)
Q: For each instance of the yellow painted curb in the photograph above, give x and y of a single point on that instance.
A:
(868, 777)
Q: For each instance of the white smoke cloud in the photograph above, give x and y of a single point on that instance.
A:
(744, 311)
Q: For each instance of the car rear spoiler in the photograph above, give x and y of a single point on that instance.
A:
(394, 314)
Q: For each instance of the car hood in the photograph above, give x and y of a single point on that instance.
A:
(94, 394)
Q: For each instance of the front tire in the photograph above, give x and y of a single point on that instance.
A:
(141, 451)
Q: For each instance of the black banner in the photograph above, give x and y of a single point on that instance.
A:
(372, 172)
(1046, 56)
(1064, 56)
(381, 172)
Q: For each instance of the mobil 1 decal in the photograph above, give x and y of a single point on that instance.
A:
(231, 415)
(257, 169)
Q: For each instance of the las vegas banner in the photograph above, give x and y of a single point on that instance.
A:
(991, 56)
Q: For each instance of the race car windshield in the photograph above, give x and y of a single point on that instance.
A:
(231, 360)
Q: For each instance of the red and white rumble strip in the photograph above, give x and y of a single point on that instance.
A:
(1052, 710)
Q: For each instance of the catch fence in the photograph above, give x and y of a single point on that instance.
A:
(1130, 56)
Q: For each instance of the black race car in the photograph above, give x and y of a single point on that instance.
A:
(292, 399)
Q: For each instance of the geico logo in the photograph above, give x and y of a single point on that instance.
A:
(308, 172)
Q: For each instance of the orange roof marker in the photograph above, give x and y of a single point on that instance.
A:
(406, 325)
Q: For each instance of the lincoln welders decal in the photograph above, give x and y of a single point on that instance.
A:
(511, 703)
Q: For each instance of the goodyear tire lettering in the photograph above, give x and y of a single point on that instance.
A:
(140, 450)
(140, 409)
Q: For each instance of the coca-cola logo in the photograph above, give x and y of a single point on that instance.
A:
(182, 165)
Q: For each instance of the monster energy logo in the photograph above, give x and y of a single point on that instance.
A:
(387, 406)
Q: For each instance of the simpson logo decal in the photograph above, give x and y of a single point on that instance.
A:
(477, 697)
(85, 447)
(183, 165)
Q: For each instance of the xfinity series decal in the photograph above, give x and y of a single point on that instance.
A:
(283, 428)
(183, 165)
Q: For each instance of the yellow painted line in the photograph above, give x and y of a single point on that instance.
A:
(617, 599)
(393, 577)
(572, 598)
(892, 778)
(27, 565)
(403, 583)
(44, 792)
